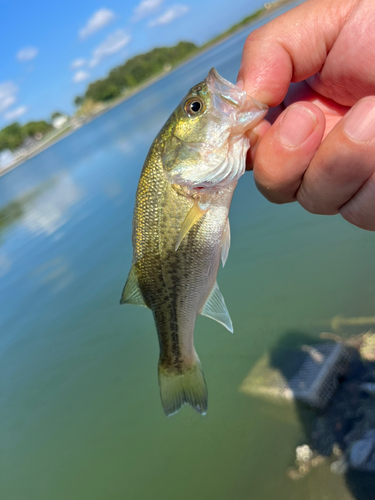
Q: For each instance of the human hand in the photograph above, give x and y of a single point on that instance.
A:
(320, 150)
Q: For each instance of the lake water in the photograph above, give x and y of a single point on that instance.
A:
(81, 417)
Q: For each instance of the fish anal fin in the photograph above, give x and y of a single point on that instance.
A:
(216, 309)
(225, 243)
(131, 293)
(193, 216)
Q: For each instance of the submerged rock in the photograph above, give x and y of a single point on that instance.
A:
(367, 348)
(304, 453)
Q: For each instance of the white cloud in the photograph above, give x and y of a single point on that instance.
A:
(8, 91)
(169, 15)
(97, 21)
(15, 113)
(80, 76)
(78, 63)
(27, 53)
(50, 211)
(112, 44)
(145, 7)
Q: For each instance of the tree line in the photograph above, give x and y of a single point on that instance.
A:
(136, 71)
(120, 81)
(13, 136)
(143, 67)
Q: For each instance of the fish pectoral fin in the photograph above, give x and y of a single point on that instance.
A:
(193, 216)
(216, 309)
(132, 293)
(225, 243)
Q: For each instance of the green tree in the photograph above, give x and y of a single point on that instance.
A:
(11, 137)
(78, 101)
(102, 90)
(137, 70)
(33, 128)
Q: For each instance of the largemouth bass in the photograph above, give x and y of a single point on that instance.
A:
(181, 227)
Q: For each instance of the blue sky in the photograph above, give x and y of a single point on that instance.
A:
(51, 50)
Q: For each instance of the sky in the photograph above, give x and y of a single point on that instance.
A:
(51, 50)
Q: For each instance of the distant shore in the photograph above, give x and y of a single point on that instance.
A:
(268, 8)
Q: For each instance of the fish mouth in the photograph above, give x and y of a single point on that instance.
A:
(226, 90)
(233, 102)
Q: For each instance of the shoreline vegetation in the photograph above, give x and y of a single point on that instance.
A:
(19, 143)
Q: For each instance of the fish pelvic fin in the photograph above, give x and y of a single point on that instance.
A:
(193, 216)
(216, 309)
(225, 243)
(131, 293)
(183, 387)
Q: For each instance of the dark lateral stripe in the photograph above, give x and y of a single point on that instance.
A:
(175, 339)
(167, 327)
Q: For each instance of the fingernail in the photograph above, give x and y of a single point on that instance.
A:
(239, 84)
(359, 123)
(297, 124)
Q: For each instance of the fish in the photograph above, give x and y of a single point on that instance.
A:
(181, 228)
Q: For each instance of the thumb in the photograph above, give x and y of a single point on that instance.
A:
(291, 48)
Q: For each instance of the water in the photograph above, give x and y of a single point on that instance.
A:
(80, 411)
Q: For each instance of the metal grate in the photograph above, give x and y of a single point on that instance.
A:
(317, 379)
(308, 374)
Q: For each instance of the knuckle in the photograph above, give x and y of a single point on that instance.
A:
(354, 216)
(260, 37)
(254, 36)
(274, 196)
(360, 210)
(314, 204)
(308, 204)
(273, 185)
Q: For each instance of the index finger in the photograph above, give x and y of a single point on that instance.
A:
(291, 48)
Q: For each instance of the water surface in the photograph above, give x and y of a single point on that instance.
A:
(80, 412)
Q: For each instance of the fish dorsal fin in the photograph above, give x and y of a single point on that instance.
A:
(225, 243)
(193, 216)
(131, 293)
(216, 309)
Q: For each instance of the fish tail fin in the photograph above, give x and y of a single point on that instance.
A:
(180, 387)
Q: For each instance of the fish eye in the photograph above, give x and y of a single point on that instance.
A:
(193, 106)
